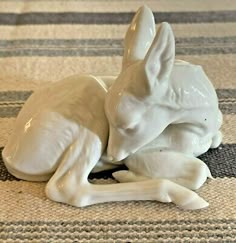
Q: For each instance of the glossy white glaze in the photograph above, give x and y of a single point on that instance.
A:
(50, 122)
(156, 98)
(164, 110)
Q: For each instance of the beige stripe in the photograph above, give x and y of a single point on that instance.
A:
(27, 69)
(116, 6)
(25, 200)
(221, 69)
(228, 129)
(6, 85)
(6, 126)
(109, 31)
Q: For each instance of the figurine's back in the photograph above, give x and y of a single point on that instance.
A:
(50, 121)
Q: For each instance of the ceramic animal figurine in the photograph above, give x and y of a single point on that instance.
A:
(62, 131)
(159, 109)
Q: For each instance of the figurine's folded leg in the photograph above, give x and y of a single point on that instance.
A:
(216, 140)
(180, 168)
(70, 185)
(128, 176)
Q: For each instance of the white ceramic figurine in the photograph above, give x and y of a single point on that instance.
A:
(161, 114)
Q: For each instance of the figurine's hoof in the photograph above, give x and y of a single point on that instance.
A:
(195, 203)
(201, 174)
(127, 176)
(185, 198)
(194, 175)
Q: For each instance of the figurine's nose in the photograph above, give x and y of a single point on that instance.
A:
(116, 147)
(107, 158)
(116, 157)
(110, 158)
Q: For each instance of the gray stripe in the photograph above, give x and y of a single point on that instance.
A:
(107, 236)
(167, 222)
(221, 161)
(12, 111)
(7, 112)
(205, 51)
(226, 93)
(227, 100)
(109, 232)
(121, 229)
(104, 51)
(75, 52)
(109, 47)
(24, 95)
(113, 18)
(26, 43)
(206, 40)
(15, 95)
(229, 108)
(12, 106)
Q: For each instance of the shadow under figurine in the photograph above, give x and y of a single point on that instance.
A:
(158, 115)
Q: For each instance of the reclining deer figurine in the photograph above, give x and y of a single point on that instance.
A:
(159, 115)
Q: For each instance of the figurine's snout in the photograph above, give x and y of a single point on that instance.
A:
(116, 157)
(116, 149)
(115, 154)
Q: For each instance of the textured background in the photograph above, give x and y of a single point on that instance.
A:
(45, 41)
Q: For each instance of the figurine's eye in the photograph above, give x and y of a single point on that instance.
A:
(128, 130)
(131, 130)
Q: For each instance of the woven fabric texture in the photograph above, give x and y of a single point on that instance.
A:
(43, 41)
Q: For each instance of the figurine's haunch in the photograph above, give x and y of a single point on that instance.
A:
(159, 114)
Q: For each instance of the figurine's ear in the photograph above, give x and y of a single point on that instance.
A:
(159, 60)
(139, 36)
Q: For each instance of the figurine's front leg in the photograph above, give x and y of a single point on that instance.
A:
(153, 189)
(180, 168)
(69, 183)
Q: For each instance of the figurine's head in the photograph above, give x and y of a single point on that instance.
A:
(147, 65)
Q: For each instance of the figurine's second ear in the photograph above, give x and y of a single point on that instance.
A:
(159, 60)
(139, 36)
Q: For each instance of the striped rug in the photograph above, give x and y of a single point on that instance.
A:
(43, 41)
